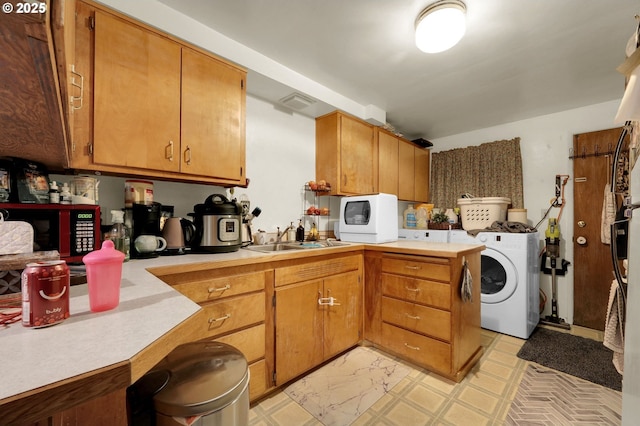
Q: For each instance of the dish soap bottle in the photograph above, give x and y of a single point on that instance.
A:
(313, 232)
(119, 233)
(300, 232)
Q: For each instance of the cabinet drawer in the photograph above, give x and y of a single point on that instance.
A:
(418, 348)
(438, 270)
(314, 270)
(218, 288)
(257, 379)
(251, 342)
(230, 314)
(423, 319)
(416, 290)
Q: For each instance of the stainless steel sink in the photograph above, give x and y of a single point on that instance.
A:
(274, 247)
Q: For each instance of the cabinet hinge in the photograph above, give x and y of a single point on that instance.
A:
(242, 83)
(274, 378)
(92, 23)
(273, 301)
(241, 171)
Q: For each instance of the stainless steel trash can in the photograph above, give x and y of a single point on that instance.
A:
(205, 380)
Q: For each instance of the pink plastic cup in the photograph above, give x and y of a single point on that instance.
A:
(104, 272)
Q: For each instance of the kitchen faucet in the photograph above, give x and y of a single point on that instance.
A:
(280, 234)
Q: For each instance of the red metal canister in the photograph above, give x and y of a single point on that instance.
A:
(45, 293)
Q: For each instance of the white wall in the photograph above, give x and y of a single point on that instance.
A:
(280, 159)
(545, 143)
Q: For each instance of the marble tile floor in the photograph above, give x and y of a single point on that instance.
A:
(423, 398)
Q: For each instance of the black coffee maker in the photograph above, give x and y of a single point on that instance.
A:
(146, 221)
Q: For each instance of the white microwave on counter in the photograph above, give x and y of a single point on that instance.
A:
(369, 218)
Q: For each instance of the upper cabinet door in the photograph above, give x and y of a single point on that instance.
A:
(406, 171)
(358, 161)
(388, 162)
(136, 96)
(213, 121)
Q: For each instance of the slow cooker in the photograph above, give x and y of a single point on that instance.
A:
(218, 223)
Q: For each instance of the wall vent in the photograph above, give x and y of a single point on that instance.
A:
(296, 101)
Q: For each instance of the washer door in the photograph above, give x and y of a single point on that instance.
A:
(498, 276)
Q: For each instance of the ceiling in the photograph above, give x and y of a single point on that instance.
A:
(518, 59)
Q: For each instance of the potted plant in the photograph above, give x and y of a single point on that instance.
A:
(439, 221)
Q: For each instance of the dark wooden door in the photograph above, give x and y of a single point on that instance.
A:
(592, 269)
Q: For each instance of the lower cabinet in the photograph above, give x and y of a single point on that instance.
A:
(317, 317)
(233, 311)
(414, 309)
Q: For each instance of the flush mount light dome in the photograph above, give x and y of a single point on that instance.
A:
(440, 26)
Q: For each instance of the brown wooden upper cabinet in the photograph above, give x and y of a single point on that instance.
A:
(346, 154)
(161, 108)
(403, 167)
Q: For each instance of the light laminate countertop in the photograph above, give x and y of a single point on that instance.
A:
(35, 360)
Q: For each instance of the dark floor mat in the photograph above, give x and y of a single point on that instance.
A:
(575, 355)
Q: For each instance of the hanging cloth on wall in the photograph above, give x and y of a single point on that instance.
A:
(608, 214)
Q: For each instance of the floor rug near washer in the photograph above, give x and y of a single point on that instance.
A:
(581, 357)
(549, 397)
(339, 392)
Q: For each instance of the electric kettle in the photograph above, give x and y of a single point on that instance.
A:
(178, 233)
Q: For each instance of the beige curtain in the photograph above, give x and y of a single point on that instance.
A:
(491, 169)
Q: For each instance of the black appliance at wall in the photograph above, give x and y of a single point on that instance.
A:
(146, 221)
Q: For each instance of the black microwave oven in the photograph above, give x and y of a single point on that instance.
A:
(71, 229)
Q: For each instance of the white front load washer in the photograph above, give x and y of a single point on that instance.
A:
(510, 281)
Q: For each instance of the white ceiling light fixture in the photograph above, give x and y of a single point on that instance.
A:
(440, 26)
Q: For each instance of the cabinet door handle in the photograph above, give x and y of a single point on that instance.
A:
(328, 301)
(187, 155)
(413, 268)
(415, 290)
(415, 348)
(168, 151)
(218, 289)
(222, 318)
(413, 317)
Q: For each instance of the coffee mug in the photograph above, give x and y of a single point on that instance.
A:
(149, 244)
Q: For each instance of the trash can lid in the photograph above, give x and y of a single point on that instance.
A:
(203, 377)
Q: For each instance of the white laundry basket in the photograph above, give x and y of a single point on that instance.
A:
(480, 213)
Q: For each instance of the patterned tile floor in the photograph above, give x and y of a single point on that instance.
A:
(422, 398)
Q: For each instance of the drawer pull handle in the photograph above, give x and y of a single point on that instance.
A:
(219, 289)
(415, 348)
(413, 317)
(415, 268)
(415, 290)
(222, 318)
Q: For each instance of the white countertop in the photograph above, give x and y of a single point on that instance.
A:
(149, 308)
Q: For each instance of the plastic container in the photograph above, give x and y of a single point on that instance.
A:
(54, 193)
(84, 190)
(104, 272)
(137, 191)
(480, 213)
(517, 215)
(65, 194)
(410, 221)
